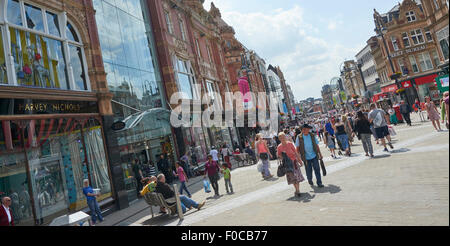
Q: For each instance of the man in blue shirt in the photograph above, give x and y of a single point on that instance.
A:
(92, 201)
(310, 154)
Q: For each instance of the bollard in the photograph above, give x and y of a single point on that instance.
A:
(177, 198)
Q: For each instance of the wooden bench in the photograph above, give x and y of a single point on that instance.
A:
(157, 199)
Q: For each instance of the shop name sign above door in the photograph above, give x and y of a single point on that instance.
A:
(410, 50)
(30, 106)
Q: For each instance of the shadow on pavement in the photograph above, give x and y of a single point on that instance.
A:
(402, 150)
(305, 197)
(271, 179)
(332, 189)
(381, 156)
(160, 220)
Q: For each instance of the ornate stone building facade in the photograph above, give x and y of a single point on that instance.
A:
(53, 102)
(410, 33)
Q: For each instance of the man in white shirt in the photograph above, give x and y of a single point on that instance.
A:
(6, 218)
(214, 153)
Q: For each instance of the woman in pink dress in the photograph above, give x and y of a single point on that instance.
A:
(433, 113)
(288, 147)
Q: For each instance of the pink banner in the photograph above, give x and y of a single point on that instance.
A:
(244, 88)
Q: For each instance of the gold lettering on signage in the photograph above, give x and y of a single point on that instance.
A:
(43, 107)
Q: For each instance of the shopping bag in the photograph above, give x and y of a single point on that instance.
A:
(207, 186)
(392, 132)
(259, 167)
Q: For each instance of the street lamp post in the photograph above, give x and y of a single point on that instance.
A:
(381, 31)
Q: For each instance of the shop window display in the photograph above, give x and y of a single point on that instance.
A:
(13, 178)
(41, 61)
(59, 158)
(3, 74)
(38, 60)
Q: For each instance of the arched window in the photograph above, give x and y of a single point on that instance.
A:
(36, 51)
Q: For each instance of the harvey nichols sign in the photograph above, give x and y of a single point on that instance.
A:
(410, 50)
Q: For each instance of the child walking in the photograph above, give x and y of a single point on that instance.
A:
(329, 141)
(227, 177)
(183, 179)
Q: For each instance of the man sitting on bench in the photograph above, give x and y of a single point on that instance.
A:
(150, 186)
(167, 193)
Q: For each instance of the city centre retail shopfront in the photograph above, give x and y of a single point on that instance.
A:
(47, 148)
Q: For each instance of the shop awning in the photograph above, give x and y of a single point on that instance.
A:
(426, 79)
(389, 88)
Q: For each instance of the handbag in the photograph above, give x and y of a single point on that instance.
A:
(322, 166)
(281, 171)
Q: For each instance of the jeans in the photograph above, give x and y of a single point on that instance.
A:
(187, 202)
(183, 187)
(228, 184)
(310, 165)
(343, 139)
(367, 143)
(407, 118)
(265, 167)
(95, 210)
(214, 183)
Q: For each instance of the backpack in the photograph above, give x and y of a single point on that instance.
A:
(378, 120)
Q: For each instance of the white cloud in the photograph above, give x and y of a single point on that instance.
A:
(284, 38)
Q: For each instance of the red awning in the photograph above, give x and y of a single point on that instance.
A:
(389, 88)
(425, 79)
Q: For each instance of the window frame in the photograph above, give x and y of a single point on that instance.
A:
(189, 72)
(415, 34)
(62, 22)
(413, 63)
(168, 20)
(422, 59)
(431, 36)
(410, 15)
(182, 29)
(394, 43)
(406, 38)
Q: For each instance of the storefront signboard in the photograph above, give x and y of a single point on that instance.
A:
(406, 84)
(35, 106)
(410, 50)
(442, 83)
(117, 126)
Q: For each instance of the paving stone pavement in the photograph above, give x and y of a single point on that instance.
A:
(408, 186)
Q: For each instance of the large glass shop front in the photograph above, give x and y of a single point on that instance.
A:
(58, 153)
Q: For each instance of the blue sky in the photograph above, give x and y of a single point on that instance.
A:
(308, 39)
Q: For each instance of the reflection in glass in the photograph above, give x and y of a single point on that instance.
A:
(13, 178)
(79, 74)
(3, 74)
(96, 157)
(112, 31)
(40, 63)
(52, 22)
(13, 12)
(71, 33)
(134, 8)
(185, 85)
(34, 19)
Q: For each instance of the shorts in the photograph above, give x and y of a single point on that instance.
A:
(382, 132)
